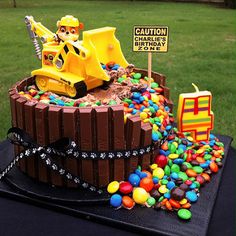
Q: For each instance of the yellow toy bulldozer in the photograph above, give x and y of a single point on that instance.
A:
(73, 67)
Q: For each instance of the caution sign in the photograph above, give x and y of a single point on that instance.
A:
(150, 38)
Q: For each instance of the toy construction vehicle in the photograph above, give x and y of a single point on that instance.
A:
(70, 66)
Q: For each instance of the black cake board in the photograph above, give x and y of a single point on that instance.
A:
(90, 206)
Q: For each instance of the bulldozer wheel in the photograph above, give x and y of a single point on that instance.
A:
(81, 89)
(42, 82)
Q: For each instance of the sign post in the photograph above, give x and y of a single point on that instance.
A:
(150, 38)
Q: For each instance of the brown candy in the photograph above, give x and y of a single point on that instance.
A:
(177, 194)
(184, 186)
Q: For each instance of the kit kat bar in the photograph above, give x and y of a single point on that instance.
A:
(146, 139)
(13, 99)
(133, 131)
(41, 120)
(70, 130)
(86, 142)
(117, 141)
(55, 132)
(21, 124)
(30, 128)
(102, 140)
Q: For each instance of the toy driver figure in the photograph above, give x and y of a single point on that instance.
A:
(68, 28)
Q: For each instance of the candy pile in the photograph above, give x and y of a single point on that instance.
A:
(174, 180)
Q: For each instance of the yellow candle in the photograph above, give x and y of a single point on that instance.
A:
(194, 114)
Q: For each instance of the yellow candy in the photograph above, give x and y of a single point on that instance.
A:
(155, 127)
(126, 116)
(206, 146)
(175, 143)
(153, 166)
(158, 172)
(173, 156)
(190, 138)
(201, 150)
(162, 189)
(146, 98)
(124, 76)
(183, 201)
(140, 195)
(21, 93)
(154, 98)
(113, 187)
(146, 121)
(146, 110)
(143, 115)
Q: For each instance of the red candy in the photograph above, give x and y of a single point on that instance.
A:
(147, 184)
(161, 161)
(125, 187)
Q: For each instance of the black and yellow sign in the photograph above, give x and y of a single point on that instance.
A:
(149, 38)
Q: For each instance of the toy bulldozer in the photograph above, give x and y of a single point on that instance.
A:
(72, 67)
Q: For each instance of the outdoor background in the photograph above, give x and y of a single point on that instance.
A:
(202, 46)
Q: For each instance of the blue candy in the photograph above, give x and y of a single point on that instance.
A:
(134, 179)
(155, 137)
(174, 175)
(116, 200)
(193, 186)
(134, 112)
(131, 105)
(178, 161)
(155, 180)
(191, 196)
(170, 185)
(136, 95)
(143, 175)
(167, 195)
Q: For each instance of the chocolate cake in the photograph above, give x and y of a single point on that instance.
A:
(93, 128)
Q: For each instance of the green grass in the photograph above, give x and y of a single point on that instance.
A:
(202, 47)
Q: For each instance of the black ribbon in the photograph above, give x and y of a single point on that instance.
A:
(65, 148)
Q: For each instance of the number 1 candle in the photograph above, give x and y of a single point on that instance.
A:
(194, 114)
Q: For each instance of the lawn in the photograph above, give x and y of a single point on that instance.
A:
(202, 47)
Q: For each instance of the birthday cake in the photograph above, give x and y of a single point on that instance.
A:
(119, 119)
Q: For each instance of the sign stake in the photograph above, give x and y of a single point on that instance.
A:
(149, 65)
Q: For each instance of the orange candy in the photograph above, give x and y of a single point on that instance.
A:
(174, 203)
(200, 160)
(128, 202)
(186, 205)
(191, 173)
(149, 175)
(213, 166)
(206, 177)
(147, 184)
(168, 206)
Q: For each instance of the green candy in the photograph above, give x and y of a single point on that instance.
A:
(192, 179)
(172, 148)
(37, 96)
(120, 80)
(40, 92)
(164, 181)
(151, 120)
(151, 201)
(134, 81)
(170, 163)
(127, 100)
(83, 104)
(161, 198)
(207, 157)
(197, 184)
(137, 76)
(98, 103)
(152, 110)
(218, 159)
(157, 119)
(167, 170)
(112, 102)
(183, 176)
(154, 85)
(184, 214)
(198, 169)
(189, 166)
(175, 168)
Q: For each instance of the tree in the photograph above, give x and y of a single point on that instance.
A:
(14, 3)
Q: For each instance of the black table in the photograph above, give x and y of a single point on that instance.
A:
(18, 218)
